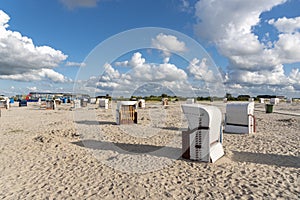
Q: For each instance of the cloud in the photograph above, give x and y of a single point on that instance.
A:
(4, 19)
(200, 70)
(33, 89)
(141, 76)
(262, 77)
(109, 73)
(229, 26)
(218, 20)
(143, 71)
(75, 64)
(21, 60)
(140, 72)
(168, 44)
(71, 4)
(286, 25)
(287, 48)
(295, 76)
(53, 75)
(264, 82)
(38, 75)
(124, 64)
(185, 6)
(136, 60)
(154, 72)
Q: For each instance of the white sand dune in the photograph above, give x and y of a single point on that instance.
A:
(82, 154)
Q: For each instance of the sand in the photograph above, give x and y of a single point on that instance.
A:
(82, 154)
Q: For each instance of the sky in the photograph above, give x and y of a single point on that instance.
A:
(144, 47)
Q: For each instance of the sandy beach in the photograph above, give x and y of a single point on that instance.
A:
(82, 154)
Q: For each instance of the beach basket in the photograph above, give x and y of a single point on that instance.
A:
(103, 103)
(126, 112)
(141, 103)
(202, 140)
(239, 118)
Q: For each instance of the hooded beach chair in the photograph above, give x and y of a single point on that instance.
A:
(203, 139)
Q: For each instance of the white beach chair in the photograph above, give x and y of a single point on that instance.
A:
(261, 100)
(141, 103)
(93, 100)
(239, 118)
(103, 103)
(190, 101)
(203, 139)
(274, 101)
(77, 103)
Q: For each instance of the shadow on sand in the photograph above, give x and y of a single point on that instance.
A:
(123, 148)
(90, 122)
(171, 128)
(267, 159)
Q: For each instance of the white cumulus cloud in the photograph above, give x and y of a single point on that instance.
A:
(75, 64)
(21, 59)
(33, 89)
(229, 26)
(287, 48)
(37, 75)
(168, 44)
(200, 70)
(286, 25)
(140, 72)
(295, 76)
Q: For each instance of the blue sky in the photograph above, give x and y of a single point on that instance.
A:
(255, 46)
